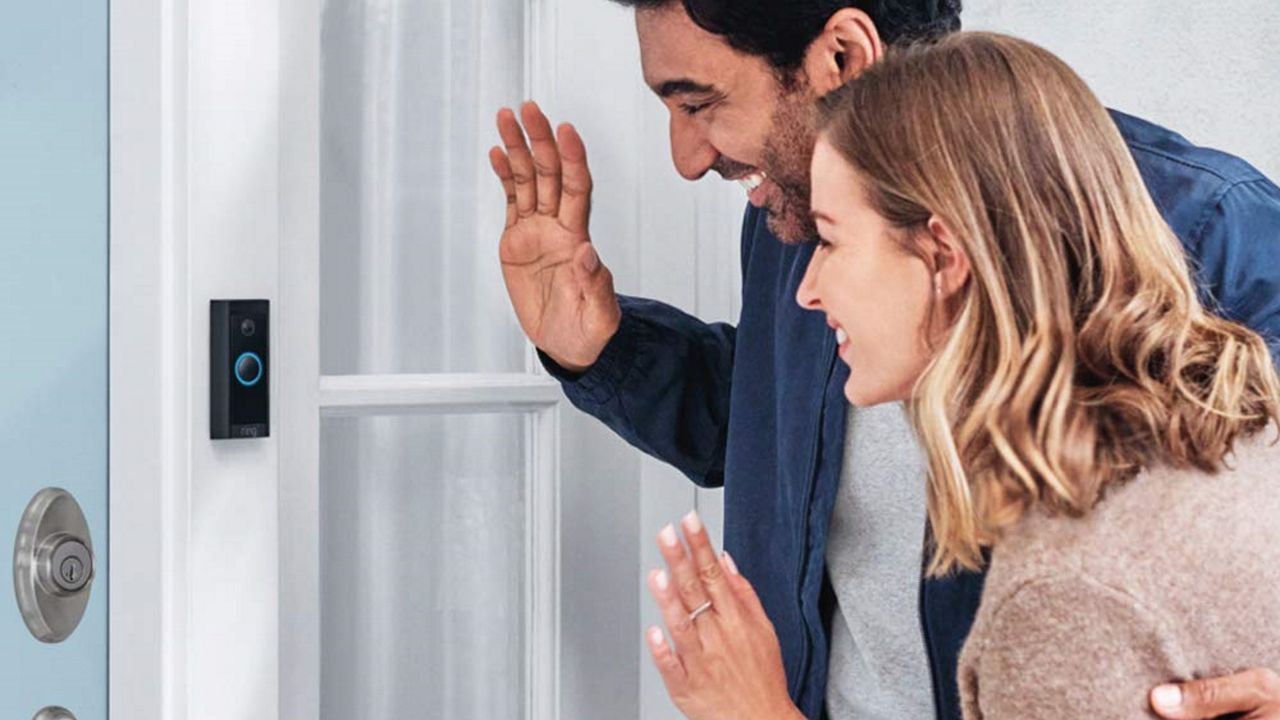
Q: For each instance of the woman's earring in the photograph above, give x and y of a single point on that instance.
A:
(937, 284)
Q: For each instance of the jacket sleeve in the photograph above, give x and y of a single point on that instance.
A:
(662, 383)
(1239, 257)
(1066, 648)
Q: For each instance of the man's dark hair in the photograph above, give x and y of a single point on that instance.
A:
(782, 30)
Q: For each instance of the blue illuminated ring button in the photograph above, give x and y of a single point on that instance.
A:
(248, 369)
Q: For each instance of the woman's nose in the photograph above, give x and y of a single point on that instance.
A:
(807, 294)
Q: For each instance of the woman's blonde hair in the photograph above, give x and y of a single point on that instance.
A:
(1078, 352)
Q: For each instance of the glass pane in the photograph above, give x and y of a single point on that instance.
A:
(423, 581)
(411, 214)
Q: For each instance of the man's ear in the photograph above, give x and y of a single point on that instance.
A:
(848, 45)
(951, 268)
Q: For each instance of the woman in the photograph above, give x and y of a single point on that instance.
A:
(1109, 444)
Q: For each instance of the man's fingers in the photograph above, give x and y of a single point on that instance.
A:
(575, 200)
(546, 158)
(674, 613)
(709, 567)
(1244, 692)
(502, 168)
(669, 664)
(521, 162)
(593, 276)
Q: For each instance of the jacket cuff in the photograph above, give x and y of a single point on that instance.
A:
(601, 382)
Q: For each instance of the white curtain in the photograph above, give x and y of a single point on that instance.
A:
(423, 519)
(411, 213)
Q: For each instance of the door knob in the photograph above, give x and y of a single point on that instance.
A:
(54, 713)
(52, 567)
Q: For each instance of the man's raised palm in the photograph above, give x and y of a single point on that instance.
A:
(561, 292)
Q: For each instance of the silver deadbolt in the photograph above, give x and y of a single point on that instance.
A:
(53, 568)
(54, 713)
(65, 564)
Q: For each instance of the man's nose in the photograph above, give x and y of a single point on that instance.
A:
(807, 293)
(691, 151)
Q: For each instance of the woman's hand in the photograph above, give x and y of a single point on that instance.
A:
(726, 663)
(1249, 695)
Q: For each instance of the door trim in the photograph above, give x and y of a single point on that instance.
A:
(149, 457)
(195, 214)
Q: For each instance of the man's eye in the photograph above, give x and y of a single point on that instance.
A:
(694, 109)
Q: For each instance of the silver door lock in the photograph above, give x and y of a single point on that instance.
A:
(53, 565)
(65, 565)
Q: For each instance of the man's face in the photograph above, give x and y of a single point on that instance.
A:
(732, 113)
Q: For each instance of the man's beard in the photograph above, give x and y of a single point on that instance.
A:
(786, 157)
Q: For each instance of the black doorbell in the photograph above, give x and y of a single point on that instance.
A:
(239, 369)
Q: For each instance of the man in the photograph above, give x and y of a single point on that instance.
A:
(824, 506)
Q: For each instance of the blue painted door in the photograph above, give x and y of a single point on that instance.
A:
(53, 325)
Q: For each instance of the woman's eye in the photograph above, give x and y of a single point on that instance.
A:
(823, 244)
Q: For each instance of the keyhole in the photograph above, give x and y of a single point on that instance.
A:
(71, 569)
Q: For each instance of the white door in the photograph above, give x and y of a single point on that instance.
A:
(480, 544)
(428, 530)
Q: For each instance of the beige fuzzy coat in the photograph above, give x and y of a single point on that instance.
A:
(1174, 575)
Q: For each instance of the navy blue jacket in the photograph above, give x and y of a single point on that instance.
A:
(760, 408)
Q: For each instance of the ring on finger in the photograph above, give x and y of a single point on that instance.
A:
(699, 610)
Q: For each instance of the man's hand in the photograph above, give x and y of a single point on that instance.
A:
(562, 294)
(1250, 695)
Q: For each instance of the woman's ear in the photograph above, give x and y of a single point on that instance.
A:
(848, 45)
(951, 266)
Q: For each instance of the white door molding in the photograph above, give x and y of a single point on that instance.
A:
(150, 462)
(195, 211)
(298, 362)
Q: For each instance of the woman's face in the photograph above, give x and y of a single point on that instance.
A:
(876, 294)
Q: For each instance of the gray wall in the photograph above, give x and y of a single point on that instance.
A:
(1210, 70)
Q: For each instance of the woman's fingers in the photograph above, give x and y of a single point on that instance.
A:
(546, 158)
(521, 162)
(575, 201)
(709, 569)
(743, 588)
(688, 585)
(674, 614)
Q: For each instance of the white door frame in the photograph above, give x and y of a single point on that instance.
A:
(195, 214)
(214, 604)
(150, 465)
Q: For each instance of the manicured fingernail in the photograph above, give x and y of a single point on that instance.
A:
(661, 580)
(729, 564)
(668, 536)
(655, 636)
(692, 523)
(591, 261)
(1168, 697)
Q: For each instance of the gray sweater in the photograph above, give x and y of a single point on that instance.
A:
(1175, 575)
(879, 668)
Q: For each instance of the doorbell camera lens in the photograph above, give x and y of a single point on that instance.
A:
(248, 327)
